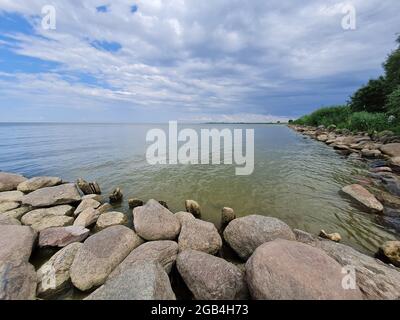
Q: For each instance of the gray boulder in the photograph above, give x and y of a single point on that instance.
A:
(8, 221)
(10, 181)
(38, 183)
(37, 215)
(100, 254)
(17, 213)
(199, 235)
(11, 196)
(86, 204)
(17, 281)
(143, 280)
(245, 234)
(52, 196)
(109, 219)
(155, 222)
(87, 217)
(16, 243)
(62, 236)
(211, 278)
(163, 252)
(9, 205)
(54, 276)
(289, 270)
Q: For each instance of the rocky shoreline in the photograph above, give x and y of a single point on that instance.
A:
(96, 251)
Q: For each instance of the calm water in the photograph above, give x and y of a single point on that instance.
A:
(295, 179)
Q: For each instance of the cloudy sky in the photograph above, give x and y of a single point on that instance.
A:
(187, 60)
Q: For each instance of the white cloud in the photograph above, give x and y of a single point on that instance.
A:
(194, 56)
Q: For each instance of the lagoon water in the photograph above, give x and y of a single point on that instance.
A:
(295, 179)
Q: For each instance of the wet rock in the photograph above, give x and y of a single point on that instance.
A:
(392, 184)
(245, 234)
(227, 215)
(154, 222)
(289, 270)
(85, 204)
(87, 217)
(11, 196)
(7, 206)
(8, 221)
(390, 251)
(62, 236)
(380, 169)
(363, 196)
(100, 254)
(199, 235)
(388, 199)
(305, 237)
(51, 196)
(163, 252)
(116, 196)
(105, 208)
(322, 137)
(88, 187)
(391, 149)
(133, 203)
(193, 207)
(53, 277)
(143, 280)
(10, 181)
(35, 216)
(163, 203)
(38, 183)
(17, 281)
(371, 153)
(330, 236)
(109, 219)
(211, 278)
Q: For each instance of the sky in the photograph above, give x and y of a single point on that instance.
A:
(187, 60)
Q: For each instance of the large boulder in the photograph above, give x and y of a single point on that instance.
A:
(16, 243)
(199, 235)
(245, 234)
(100, 254)
(182, 215)
(87, 217)
(143, 280)
(54, 276)
(164, 252)
(11, 196)
(62, 236)
(17, 281)
(10, 181)
(375, 279)
(289, 270)
(37, 215)
(363, 196)
(391, 149)
(86, 204)
(211, 278)
(38, 183)
(42, 219)
(52, 196)
(109, 219)
(155, 222)
(17, 276)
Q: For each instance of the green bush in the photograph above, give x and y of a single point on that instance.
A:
(392, 69)
(336, 115)
(371, 97)
(369, 122)
(393, 105)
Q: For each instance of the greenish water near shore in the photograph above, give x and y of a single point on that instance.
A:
(295, 179)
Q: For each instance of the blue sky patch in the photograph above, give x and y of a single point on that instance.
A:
(134, 8)
(106, 46)
(103, 8)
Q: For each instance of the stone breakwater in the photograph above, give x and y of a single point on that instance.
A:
(100, 254)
